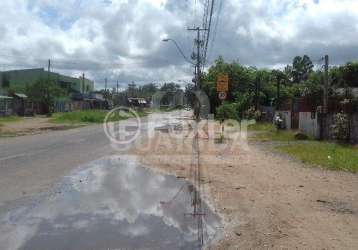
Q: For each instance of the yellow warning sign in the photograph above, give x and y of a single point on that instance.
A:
(222, 83)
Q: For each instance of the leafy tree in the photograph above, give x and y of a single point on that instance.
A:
(300, 69)
(227, 111)
(189, 94)
(350, 74)
(44, 92)
(171, 90)
(147, 90)
(5, 81)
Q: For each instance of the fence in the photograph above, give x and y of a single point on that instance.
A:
(328, 122)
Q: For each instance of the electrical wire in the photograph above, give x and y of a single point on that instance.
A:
(215, 29)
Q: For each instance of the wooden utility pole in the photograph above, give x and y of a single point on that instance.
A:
(323, 115)
(105, 89)
(117, 87)
(278, 92)
(198, 44)
(326, 84)
(83, 82)
(257, 92)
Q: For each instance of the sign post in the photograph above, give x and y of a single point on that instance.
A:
(222, 83)
(222, 87)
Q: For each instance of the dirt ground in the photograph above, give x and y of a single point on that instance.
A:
(266, 201)
(29, 126)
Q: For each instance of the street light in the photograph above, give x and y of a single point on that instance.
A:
(178, 47)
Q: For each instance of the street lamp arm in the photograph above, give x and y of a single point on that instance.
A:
(179, 49)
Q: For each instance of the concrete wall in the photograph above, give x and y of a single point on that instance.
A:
(308, 124)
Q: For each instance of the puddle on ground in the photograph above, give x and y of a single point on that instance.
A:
(112, 203)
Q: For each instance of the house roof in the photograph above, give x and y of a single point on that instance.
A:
(5, 97)
(20, 95)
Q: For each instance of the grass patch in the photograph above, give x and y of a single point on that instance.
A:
(9, 119)
(279, 135)
(268, 132)
(262, 126)
(88, 116)
(329, 155)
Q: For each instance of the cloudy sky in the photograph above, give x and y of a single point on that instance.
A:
(121, 39)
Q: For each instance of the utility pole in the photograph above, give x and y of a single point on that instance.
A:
(278, 92)
(117, 86)
(198, 210)
(198, 44)
(83, 82)
(326, 84)
(105, 89)
(323, 115)
(257, 87)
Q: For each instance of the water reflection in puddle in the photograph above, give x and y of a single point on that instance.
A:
(111, 204)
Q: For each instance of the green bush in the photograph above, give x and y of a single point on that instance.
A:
(86, 116)
(227, 111)
(341, 126)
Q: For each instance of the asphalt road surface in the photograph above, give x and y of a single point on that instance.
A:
(32, 164)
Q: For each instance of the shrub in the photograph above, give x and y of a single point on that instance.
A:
(227, 111)
(340, 129)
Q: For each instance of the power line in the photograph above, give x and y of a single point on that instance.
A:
(216, 28)
(208, 31)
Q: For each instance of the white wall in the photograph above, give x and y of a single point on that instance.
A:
(308, 125)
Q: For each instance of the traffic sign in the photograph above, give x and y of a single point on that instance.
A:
(222, 95)
(222, 83)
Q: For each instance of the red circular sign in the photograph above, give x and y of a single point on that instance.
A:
(222, 95)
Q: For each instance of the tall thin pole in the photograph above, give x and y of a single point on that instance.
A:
(326, 84)
(322, 117)
(105, 89)
(198, 211)
(198, 43)
(83, 82)
(278, 92)
(257, 87)
(117, 86)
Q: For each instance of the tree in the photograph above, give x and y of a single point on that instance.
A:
(5, 81)
(350, 74)
(300, 69)
(227, 111)
(44, 92)
(147, 90)
(170, 91)
(189, 94)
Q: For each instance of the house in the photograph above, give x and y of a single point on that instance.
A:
(5, 105)
(300, 113)
(137, 102)
(21, 105)
(17, 80)
(306, 115)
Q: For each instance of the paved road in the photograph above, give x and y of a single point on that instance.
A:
(32, 164)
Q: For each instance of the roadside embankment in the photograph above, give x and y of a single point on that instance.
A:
(267, 201)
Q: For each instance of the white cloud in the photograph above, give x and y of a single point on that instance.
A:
(121, 39)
